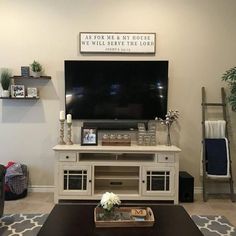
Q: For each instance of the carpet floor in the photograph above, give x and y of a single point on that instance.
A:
(30, 224)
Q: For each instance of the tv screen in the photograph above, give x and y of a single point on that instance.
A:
(122, 90)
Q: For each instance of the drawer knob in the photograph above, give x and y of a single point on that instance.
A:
(67, 157)
(90, 181)
(143, 181)
(166, 158)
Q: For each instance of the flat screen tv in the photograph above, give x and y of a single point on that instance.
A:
(116, 90)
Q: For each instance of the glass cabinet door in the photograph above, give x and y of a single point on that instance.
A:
(76, 179)
(157, 180)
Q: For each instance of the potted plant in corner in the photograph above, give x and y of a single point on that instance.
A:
(5, 82)
(36, 69)
(230, 77)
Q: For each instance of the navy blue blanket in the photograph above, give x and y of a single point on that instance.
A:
(216, 156)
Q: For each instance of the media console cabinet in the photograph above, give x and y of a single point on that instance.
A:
(132, 172)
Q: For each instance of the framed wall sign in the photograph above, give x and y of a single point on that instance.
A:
(117, 42)
(89, 136)
(17, 91)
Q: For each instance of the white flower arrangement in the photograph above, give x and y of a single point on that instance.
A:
(109, 201)
(171, 116)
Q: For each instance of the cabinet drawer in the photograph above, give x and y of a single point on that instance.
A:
(67, 157)
(167, 158)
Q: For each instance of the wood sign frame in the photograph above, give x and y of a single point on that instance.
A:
(90, 42)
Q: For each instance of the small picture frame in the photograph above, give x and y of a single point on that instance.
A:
(89, 136)
(32, 92)
(17, 91)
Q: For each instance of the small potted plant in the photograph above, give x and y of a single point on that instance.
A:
(230, 77)
(36, 69)
(5, 82)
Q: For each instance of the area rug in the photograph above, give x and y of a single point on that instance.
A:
(30, 224)
(214, 225)
(21, 224)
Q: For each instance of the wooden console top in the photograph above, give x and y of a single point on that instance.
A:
(132, 148)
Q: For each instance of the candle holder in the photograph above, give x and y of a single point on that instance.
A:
(69, 142)
(61, 141)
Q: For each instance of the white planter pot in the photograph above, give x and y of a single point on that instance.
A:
(5, 93)
(36, 74)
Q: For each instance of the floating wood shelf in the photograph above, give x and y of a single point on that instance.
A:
(23, 98)
(31, 77)
(19, 77)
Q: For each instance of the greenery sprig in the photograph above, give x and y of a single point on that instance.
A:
(230, 77)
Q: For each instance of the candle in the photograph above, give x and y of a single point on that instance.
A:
(68, 118)
(62, 115)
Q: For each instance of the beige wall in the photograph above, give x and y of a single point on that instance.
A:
(197, 37)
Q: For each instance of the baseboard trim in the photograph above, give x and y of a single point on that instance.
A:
(223, 190)
(50, 189)
(197, 190)
(41, 188)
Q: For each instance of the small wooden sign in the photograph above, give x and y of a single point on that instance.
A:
(25, 71)
(138, 212)
(32, 92)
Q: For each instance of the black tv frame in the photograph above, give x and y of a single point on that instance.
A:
(114, 124)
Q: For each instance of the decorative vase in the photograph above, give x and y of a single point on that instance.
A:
(109, 215)
(5, 93)
(168, 135)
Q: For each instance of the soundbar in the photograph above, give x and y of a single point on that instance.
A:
(113, 125)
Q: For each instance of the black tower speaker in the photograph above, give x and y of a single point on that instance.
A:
(186, 185)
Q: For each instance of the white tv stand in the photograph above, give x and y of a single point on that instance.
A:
(132, 172)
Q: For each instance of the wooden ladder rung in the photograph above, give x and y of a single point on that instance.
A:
(226, 122)
(213, 104)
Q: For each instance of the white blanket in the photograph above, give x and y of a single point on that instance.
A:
(215, 128)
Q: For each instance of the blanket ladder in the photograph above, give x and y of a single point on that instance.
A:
(205, 178)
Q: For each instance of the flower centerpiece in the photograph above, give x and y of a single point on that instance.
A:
(109, 202)
(171, 116)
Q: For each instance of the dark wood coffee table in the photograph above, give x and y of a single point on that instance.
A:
(77, 219)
